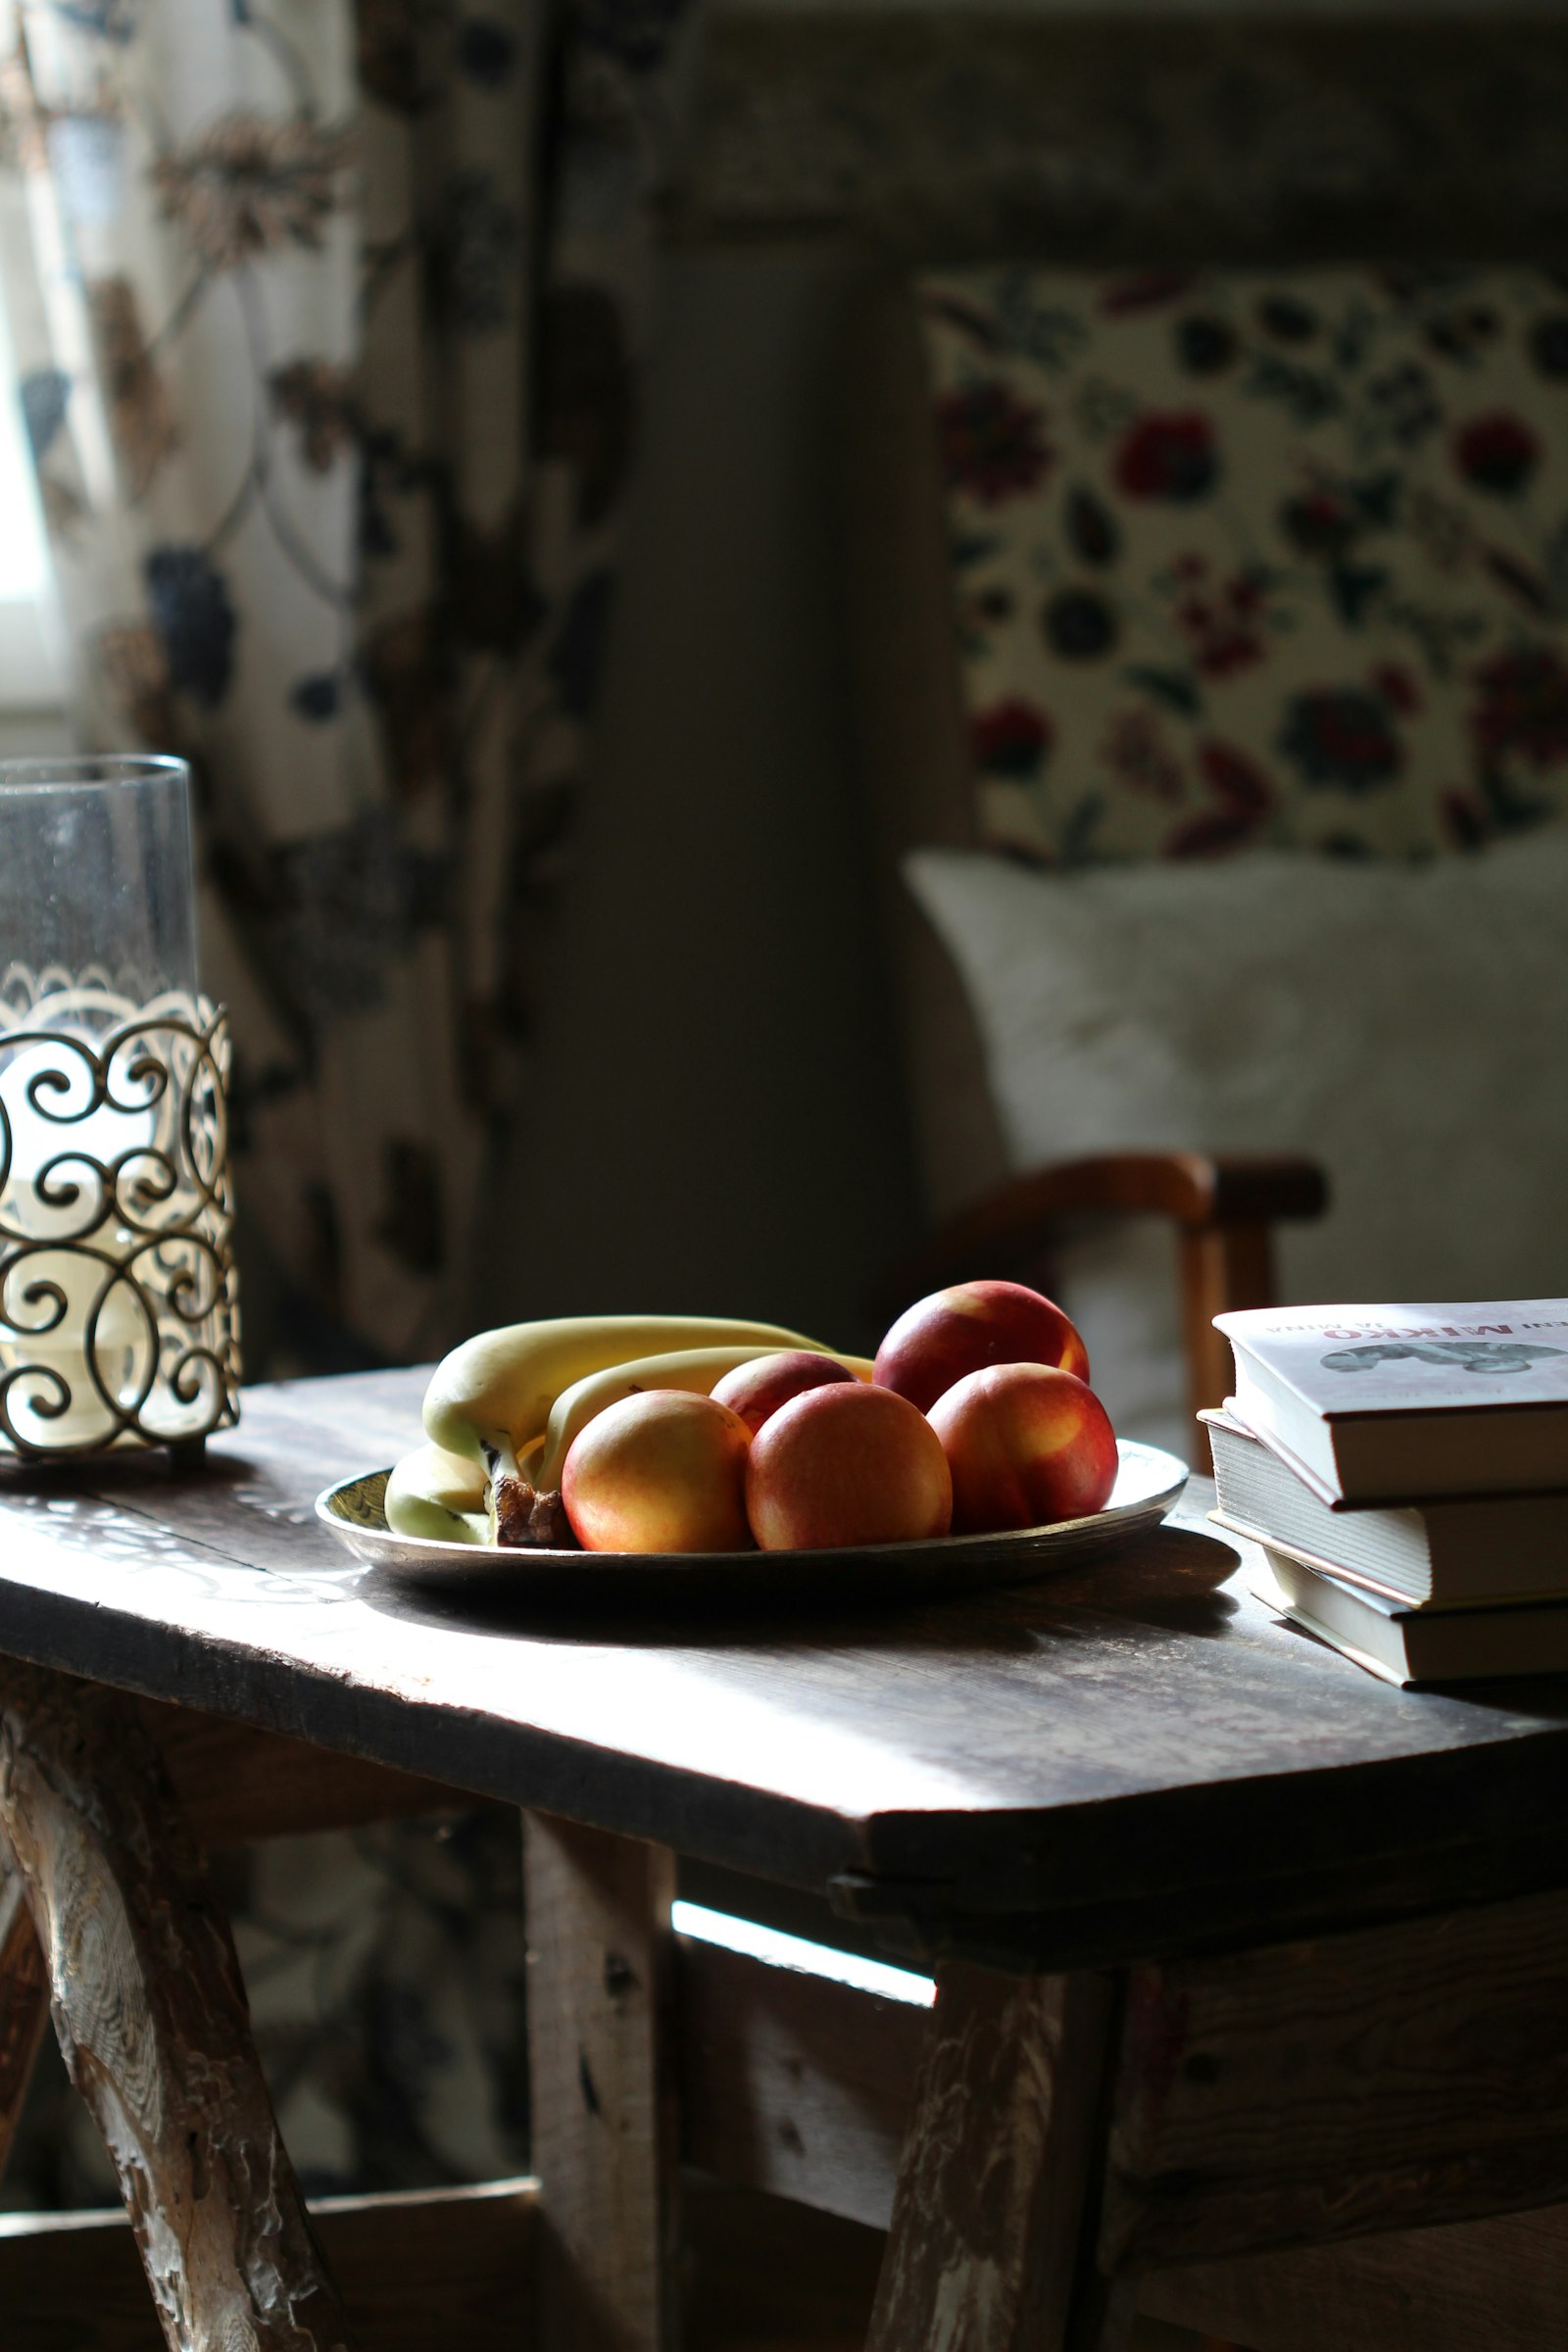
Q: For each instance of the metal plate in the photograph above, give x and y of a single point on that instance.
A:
(1147, 1482)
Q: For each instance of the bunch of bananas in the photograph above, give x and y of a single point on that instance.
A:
(501, 1410)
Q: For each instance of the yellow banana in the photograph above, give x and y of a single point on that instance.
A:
(493, 1396)
(436, 1497)
(696, 1368)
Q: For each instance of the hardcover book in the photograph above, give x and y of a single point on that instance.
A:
(1471, 1551)
(1413, 1645)
(1409, 1402)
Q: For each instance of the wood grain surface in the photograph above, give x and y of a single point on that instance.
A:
(422, 2271)
(1400, 2076)
(1499, 2286)
(1129, 1757)
(985, 2252)
(793, 2083)
(152, 2021)
(24, 2001)
(602, 2089)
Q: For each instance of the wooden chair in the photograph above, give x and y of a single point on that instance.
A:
(917, 777)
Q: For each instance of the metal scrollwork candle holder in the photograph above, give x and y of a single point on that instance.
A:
(118, 1308)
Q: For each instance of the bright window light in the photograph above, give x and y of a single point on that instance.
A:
(30, 653)
(793, 1952)
(24, 557)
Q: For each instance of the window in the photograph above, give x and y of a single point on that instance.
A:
(29, 671)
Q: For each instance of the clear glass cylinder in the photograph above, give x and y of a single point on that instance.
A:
(95, 872)
(119, 1314)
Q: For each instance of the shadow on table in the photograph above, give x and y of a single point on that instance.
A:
(1168, 1579)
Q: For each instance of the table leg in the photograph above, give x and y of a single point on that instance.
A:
(23, 2003)
(991, 2218)
(152, 2019)
(602, 2087)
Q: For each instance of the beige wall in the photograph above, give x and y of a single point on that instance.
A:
(718, 1123)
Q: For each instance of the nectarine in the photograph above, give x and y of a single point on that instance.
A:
(1027, 1445)
(846, 1464)
(757, 1389)
(665, 1471)
(955, 1331)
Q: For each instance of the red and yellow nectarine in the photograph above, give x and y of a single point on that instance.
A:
(960, 1329)
(665, 1471)
(1027, 1445)
(757, 1389)
(846, 1464)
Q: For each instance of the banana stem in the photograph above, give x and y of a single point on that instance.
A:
(519, 1517)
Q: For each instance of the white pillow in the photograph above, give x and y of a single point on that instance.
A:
(1407, 1026)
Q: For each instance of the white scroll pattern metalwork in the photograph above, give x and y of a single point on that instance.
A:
(118, 1299)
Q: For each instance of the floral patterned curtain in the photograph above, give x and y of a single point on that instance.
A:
(326, 315)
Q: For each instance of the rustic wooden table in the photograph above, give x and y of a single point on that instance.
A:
(1178, 1867)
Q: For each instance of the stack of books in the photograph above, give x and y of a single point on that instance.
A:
(1405, 1471)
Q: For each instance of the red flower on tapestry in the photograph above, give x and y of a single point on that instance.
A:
(992, 444)
(1136, 753)
(1223, 623)
(1522, 705)
(1169, 457)
(1012, 739)
(1496, 452)
(1150, 291)
(1398, 687)
(1236, 780)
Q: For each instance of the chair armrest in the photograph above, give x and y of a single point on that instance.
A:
(1223, 1209)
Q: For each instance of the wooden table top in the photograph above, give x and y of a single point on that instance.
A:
(1129, 1756)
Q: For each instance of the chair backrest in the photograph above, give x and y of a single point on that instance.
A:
(1243, 557)
(1157, 569)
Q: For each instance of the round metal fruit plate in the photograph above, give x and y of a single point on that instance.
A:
(1147, 1482)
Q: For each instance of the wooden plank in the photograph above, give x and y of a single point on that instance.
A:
(1134, 1756)
(1501, 2283)
(152, 2019)
(602, 2087)
(238, 1783)
(986, 2249)
(1407, 2074)
(793, 2083)
(766, 2275)
(24, 2001)
(419, 2271)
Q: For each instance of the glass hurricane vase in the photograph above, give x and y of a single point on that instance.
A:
(119, 1308)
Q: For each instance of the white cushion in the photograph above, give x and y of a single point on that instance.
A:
(1405, 1026)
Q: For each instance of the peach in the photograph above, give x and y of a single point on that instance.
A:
(940, 1339)
(848, 1463)
(757, 1389)
(1027, 1445)
(663, 1471)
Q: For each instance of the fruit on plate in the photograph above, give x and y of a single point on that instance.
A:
(848, 1463)
(662, 1471)
(497, 1389)
(490, 1399)
(955, 1331)
(1027, 1445)
(437, 1496)
(758, 1388)
(704, 1370)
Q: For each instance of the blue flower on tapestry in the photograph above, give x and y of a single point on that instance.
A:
(573, 660)
(636, 31)
(1343, 736)
(316, 697)
(486, 52)
(190, 607)
(350, 902)
(45, 396)
(481, 254)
